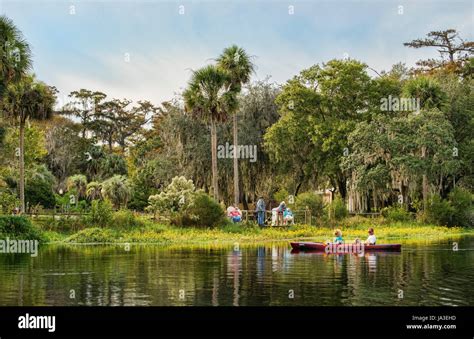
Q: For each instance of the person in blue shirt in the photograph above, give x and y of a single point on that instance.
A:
(260, 209)
(338, 237)
(288, 216)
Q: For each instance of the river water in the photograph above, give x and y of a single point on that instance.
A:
(428, 274)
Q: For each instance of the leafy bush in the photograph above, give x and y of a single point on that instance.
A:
(101, 213)
(185, 206)
(337, 209)
(113, 165)
(8, 202)
(204, 211)
(396, 213)
(312, 201)
(461, 201)
(60, 224)
(19, 227)
(92, 235)
(457, 210)
(176, 197)
(281, 195)
(39, 192)
(124, 219)
(439, 211)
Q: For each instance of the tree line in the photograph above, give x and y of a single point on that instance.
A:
(374, 139)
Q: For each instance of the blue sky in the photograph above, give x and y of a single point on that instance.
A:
(88, 49)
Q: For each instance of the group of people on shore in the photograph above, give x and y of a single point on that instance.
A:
(281, 215)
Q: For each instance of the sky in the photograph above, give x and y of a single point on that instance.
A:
(147, 49)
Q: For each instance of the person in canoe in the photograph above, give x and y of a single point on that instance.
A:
(338, 237)
(371, 240)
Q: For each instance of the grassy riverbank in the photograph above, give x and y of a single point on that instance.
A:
(150, 232)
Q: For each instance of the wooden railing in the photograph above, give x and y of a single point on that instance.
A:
(299, 216)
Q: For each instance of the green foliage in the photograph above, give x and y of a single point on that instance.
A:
(440, 211)
(207, 95)
(35, 150)
(337, 209)
(176, 197)
(312, 201)
(113, 164)
(427, 90)
(78, 183)
(149, 176)
(240, 228)
(94, 190)
(124, 219)
(319, 108)
(66, 149)
(15, 54)
(462, 203)
(205, 211)
(281, 195)
(101, 213)
(18, 227)
(64, 224)
(28, 99)
(457, 210)
(39, 192)
(396, 213)
(118, 190)
(185, 206)
(92, 235)
(8, 202)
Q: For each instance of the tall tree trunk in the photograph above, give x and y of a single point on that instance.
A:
(341, 186)
(236, 161)
(22, 167)
(425, 181)
(215, 185)
(300, 183)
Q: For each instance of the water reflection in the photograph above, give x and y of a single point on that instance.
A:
(150, 275)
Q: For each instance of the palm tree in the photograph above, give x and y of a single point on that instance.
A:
(15, 62)
(208, 98)
(236, 62)
(94, 190)
(27, 99)
(15, 54)
(118, 190)
(78, 182)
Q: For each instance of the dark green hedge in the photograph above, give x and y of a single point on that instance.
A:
(18, 227)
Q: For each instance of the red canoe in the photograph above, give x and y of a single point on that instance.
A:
(320, 247)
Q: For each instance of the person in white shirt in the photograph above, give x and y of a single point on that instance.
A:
(371, 240)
